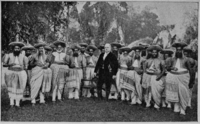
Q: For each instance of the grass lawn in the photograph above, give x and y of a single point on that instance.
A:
(91, 110)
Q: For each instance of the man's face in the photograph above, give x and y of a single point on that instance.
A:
(137, 54)
(83, 49)
(115, 48)
(60, 48)
(28, 52)
(41, 49)
(91, 52)
(107, 48)
(186, 54)
(16, 50)
(166, 55)
(179, 53)
(75, 52)
(125, 53)
(102, 50)
(154, 53)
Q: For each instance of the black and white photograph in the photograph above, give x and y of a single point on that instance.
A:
(99, 61)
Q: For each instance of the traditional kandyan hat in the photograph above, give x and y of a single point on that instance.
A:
(17, 42)
(83, 45)
(122, 49)
(154, 47)
(59, 43)
(52, 46)
(40, 43)
(28, 47)
(93, 47)
(178, 43)
(187, 49)
(76, 46)
(144, 45)
(140, 47)
(167, 51)
(118, 45)
(48, 48)
(101, 46)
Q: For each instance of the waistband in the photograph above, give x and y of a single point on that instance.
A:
(179, 73)
(58, 63)
(123, 68)
(77, 68)
(90, 66)
(152, 73)
(15, 69)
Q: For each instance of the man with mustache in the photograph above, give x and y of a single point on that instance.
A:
(91, 62)
(153, 71)
(124, 63)
(167, 57)
(59, 67)
(187, 53)
(178, 80)
(41, 74)
(115, 49)
(101, 48)
(28, 53)
(133, 77)
(16, 76)
(76, 73)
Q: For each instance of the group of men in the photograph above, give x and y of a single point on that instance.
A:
(117, 74)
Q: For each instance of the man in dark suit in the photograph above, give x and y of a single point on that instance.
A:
(106, 67)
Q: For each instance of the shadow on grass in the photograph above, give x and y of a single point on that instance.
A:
(91, 110)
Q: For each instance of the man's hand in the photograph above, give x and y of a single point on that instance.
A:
(190, 85)
(175, 69)
(95, 74)
(114, 76)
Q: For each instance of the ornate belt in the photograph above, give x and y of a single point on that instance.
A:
(179, 73)
(123, 68)
(15, 69)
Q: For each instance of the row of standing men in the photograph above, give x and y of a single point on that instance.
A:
(133, 78)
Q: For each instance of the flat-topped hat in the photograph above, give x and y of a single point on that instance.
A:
(93, 47)
(56, 43)
(144, 45)
(52, 46)
(75, 46)
(101, 46)
(83, 44)
(187, 49)
(167, 51)
(48, 48)
(154, 47)
(125, 48)
(17, 42)
(40, 43)
(28, 47)
(139, 47)
(178, 43)
(118, 45)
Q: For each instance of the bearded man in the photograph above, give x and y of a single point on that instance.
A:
(16, 76)
(134, 75)
(91, 62)
(77, 72)
(167, 57)
(187, 53)
(178, 80)
(60, 68)
(124, 64)
(28, 53)
(41, 74)
(153, 72)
